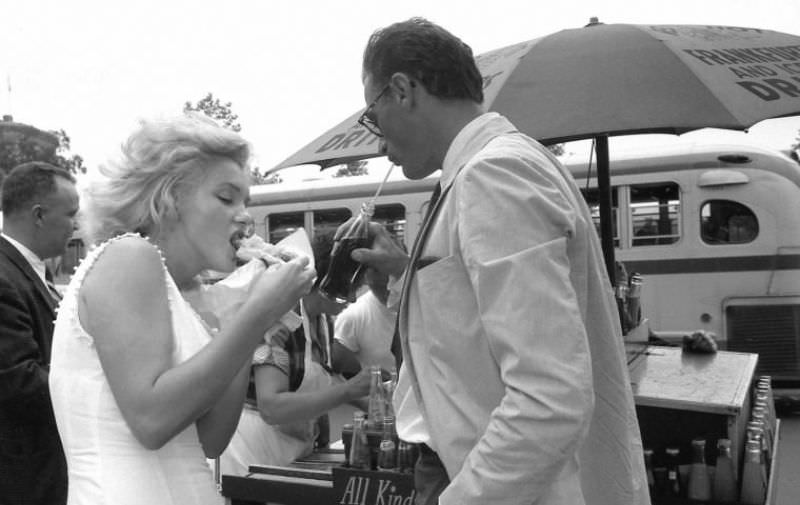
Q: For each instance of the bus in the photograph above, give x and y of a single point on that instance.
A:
(714, 231)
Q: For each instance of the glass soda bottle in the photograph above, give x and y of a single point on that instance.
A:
(387, 451)
(754, 475)
(699, 488)
(377, 400)
(725, 488)
(674, 487)
(343, 276)
(388, 390)
(359, 445)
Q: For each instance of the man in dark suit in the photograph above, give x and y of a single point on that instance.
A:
(39, 203)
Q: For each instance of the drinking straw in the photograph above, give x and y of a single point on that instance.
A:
(385, 178)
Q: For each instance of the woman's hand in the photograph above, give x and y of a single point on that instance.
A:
(282, 286)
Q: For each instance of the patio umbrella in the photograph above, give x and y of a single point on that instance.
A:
(618, 79)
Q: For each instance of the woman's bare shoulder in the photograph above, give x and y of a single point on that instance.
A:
(126, 262)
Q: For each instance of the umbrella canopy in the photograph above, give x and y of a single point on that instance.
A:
(603, 80)
(618, 79)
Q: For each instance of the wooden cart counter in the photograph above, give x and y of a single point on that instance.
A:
(667, 377)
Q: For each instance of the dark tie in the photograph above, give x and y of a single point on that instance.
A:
(413, 260)
(51, 286)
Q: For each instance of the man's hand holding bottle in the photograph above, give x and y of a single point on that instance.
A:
(385, 255)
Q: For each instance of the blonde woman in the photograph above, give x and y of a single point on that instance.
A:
(142, 391)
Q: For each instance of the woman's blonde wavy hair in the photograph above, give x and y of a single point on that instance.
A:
(159, 161)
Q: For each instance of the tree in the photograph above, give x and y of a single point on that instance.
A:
(63, 157)
(216, 110)
(556, 149)
(223, 114)
(26, 143)
(351, 168)
(259, 178)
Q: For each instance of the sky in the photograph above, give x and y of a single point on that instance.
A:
(291, 70)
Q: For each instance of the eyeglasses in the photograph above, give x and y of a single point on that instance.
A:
(365, 119)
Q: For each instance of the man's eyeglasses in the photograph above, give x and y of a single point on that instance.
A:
(365, 119)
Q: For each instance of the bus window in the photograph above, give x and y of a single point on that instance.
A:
(393, 217)
(727, 222)
(654, 210)
(327, 220)
(592, 197)
(283, 224)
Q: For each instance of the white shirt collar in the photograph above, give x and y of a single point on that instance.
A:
(36, 263)
(471, 139)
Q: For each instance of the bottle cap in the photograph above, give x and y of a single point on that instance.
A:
(753, 452)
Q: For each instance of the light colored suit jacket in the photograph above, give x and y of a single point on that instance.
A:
(510, 336)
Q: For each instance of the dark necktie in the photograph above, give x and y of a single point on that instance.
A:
(416, 251)
(51, 286)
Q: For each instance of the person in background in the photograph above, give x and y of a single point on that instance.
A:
(514, 374)
(293, 386)
(142, 390)
(39, 203)
(363, 331)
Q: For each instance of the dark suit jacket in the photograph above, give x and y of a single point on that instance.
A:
(32, 465)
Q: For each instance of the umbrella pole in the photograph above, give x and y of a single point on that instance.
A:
(604, 187)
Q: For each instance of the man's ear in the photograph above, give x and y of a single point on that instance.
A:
(405, 88)
(38, 214)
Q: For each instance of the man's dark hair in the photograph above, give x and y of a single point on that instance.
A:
(28, 184)
(428, 53)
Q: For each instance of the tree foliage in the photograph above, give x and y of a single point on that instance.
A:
(556, 149)
(223, 114)
(23, 148)
(351, 168)
(216, 110)
(795, 149)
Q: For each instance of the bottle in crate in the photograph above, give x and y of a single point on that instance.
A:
(725, 489)
(699, 488)
(674, 487)
(359, 445)
(754, 475)
(387, 451)
(377, 399)
(389, 388)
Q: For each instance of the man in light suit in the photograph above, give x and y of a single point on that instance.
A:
(514, 376)
(39, 203)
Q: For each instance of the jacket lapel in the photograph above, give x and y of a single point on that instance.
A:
(19, 261)
(416, 252)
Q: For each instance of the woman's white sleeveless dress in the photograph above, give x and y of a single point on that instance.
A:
(106, 464)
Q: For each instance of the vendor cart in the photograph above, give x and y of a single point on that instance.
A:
(679, 397)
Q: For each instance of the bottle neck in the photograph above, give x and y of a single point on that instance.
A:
(698, 452)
